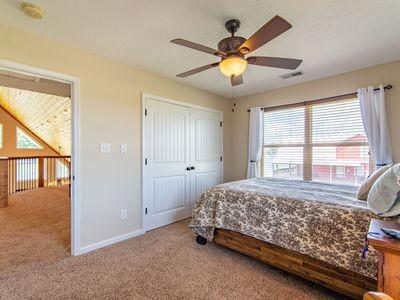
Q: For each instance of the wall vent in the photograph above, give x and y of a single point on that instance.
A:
(290, 75)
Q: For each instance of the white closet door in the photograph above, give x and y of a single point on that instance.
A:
(167, 157)
(206, 151)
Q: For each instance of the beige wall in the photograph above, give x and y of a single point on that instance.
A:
(9, 148)
(110, 112)
(326, 87)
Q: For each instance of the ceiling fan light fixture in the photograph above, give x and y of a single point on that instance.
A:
(233, 66)
(32, 10)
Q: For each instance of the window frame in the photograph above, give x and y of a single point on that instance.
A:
(308, 145)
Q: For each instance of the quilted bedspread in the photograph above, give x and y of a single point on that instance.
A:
(323, 221)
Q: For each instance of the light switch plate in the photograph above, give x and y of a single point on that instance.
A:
(124, 148)
(124, 213)
(105, 147)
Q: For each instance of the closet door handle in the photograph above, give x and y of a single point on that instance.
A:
(188, 169)
(192, 168)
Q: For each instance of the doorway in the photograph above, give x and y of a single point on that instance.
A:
(57, 172)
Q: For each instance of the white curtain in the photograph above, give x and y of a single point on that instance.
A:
(256, 132)
(373, 113)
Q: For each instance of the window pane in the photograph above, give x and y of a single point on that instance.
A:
(283, 162)
(337, 143)
(337, 122)
(340, 165)
(284, 126)
(62, 169)
(24, 141)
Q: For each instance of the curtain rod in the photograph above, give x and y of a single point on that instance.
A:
(339, 97)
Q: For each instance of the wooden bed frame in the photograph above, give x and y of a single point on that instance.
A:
(336, 278)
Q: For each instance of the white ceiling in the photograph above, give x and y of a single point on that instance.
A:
(331, 36)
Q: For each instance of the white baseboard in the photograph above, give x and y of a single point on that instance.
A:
(110, 241)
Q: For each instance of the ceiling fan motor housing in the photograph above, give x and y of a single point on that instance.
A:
(231, 44)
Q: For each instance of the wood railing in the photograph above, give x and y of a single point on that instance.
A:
(3, 181)
(31, 172)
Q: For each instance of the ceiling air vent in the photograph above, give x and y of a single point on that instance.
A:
(290, 75)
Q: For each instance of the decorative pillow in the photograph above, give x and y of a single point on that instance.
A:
(365, 187)
(384, 196)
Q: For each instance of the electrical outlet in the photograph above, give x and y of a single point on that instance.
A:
(124, 148)
(124, 214)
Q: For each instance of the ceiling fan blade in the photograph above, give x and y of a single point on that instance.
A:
(237, 80)
(197, 70)
(273, 28)
(198, 47)
(275, 62)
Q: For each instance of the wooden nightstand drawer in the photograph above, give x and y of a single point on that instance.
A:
(389, 257)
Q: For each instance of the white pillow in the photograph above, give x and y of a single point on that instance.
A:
(365, 187)
(384, 196)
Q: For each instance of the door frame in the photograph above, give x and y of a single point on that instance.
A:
(143, 122)
(11, 66)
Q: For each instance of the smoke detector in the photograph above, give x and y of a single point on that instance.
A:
(290, 75)
(32, 10)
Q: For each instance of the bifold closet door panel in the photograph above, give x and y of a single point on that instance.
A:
(167, 158)
(206, 151)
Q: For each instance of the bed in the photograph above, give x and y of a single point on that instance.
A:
(313, 230)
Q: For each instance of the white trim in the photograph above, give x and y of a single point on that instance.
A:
(144, 96)
(110, 241)
(185, 104)
(166, 100)
(75, 151)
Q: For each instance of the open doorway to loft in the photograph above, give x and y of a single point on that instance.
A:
(39, 164)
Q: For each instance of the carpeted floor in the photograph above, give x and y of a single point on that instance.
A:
(165, 263)
(34, 228)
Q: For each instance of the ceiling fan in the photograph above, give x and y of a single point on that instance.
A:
(232, 50)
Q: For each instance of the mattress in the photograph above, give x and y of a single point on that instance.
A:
(323, 221)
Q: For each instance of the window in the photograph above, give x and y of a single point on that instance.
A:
(322, 142)
(341, 171)
(24, 141)
(62, 169)
(1, 135)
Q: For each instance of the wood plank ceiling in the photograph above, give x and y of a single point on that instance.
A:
(48, 116)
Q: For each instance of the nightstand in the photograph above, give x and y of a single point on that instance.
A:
(389, 257)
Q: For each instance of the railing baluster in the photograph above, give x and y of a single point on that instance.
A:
(13, 174)
(36, 172)
(31, 173)
(26, 173)
(21, 167)
(19, 175)
(28, 182)
(24, 169)
(48, 171)
(9, 177)
(31, 177)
